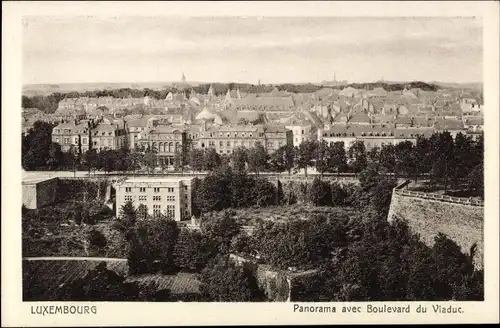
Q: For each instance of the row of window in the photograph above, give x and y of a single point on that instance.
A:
(145, 198)
(143, 189)
(67, 141)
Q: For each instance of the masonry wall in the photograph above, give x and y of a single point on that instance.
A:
(461, 223)
(46, 192)
(29, 196)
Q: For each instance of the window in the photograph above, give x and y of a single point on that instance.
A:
(56, 131)
(156, 209)
(109, 143)
(128, 198)
(142, 189)
(156, 198)
(57, 140)
(128, 189)
(156, 189)
(221, 144)
(228, 143)
(84, 141)
(171, 211)
(170, 198)
(169, 189)
(302, 131)
(66, 141)
(76, 140)
(143, 198)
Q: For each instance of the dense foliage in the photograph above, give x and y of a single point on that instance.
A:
(224, 189)
(224, 281)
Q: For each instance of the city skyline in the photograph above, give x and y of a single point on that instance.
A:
(245, 50)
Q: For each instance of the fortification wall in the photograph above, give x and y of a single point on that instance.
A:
(427, 214)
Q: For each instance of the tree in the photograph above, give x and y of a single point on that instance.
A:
(305, 155)
(90, 159)
(320, 193)
(422, 151)
(142, 212)
(239, 158)
(476, 179)
(151, 159)
(193, 251)
(337, 160)
(387, 158)
(463, 158)
(282, 159)
(442, 150)
(322, 157)
(264, 193)
(241, 189)
(212, 160)
(257, 159)
(373, 155)
(357, 156)
(96, 239)
(127, 218)
(223, 281)
(220, 229)
(55, 158)
(339, 195)
(405, 161)
(213, 192)
(196, 160)
(178, 161)
(151, 245)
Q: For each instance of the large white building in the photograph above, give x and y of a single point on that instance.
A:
(170, 196)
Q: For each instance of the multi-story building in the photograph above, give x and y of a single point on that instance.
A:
(166, 140)
(301, 130)
(105, 134)
(170, 196)
(372, 136)
(225, 138)
(71, 134)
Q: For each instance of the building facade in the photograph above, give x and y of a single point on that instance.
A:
(170, 196)
(104, 134)
(166, 140)
(225, 138)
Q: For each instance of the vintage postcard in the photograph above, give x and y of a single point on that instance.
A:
(207, 163)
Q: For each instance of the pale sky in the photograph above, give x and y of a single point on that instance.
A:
(274, 50)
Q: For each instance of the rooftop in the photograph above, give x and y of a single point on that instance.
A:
(158, 180)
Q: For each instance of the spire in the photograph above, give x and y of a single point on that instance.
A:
(238, 93)
(183, 78)
(211, 90)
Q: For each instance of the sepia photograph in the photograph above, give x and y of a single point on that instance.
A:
(252, 158)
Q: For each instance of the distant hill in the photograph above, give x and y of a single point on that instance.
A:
(470, 85)
(46, 89)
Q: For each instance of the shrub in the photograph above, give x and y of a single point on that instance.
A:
(97, 239)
